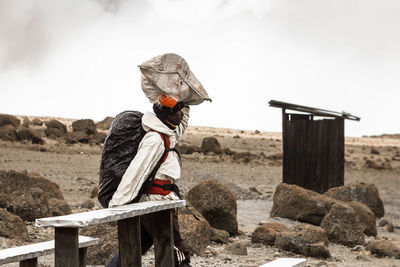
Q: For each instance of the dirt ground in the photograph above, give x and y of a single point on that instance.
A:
(75, 169)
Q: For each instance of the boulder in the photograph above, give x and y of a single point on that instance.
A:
(195, 233)
(12, 226)
(87, 126)
(30, 135)
(9, 120)
(55, 124)
(244, 157)
(187, 149)
(53, 133)
(26, 122)
(58, 207)
(219, 236)
(36, 122)
(228, 152)
(211, 144)
(383, 248)
(304, 239)
(365, 216)
(342, 226)
(30, 196)
(95, 192)
(76, 137)
(8, 133)
(297, 203)
(237, 248)
(101, 253)
(100, 137)
(382, 222)
(364, 193)
(216, 203)
(266, 233)
(105, 124)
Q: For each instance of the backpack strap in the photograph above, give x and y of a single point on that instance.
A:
(164, 156)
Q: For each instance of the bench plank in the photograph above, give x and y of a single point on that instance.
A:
(39, 249)
(109, 215)
(286, 262)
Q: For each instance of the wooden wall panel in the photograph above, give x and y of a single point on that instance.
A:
(313, 152)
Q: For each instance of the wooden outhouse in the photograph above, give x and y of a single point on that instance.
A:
(313, 146)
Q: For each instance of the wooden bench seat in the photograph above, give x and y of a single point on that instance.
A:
(286, 262)
(128, 219)
(27, 255)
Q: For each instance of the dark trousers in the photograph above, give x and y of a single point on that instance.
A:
(146, 227)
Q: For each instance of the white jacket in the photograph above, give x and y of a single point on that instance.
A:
(149, 153)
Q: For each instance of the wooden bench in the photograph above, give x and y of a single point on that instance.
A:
(28, 255)
(286, 262)
(128, 219)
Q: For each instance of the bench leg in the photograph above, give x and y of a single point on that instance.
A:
(163, 239)
(82, 257)
(66, 247)
(29, 263)
(129, 241)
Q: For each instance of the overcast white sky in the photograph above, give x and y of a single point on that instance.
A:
(78, 58)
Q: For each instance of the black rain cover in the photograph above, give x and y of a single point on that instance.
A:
(120, 147)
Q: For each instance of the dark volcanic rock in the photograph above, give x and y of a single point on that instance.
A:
(297, 203)
(105, 124)
(30, 135)
(102, 253)
(366, 217)
(211, 144)
(187, 149)
(100, 137)
(53, 133)
(364, 193)
(304, 239)
(12, 226)
(9, 120)
(267, 233)
(8, 133)
(219, 236)
(55, 124)
(87, 126)
(195, 233)
(37, 122)
(30, 196)
(237, 248)
(342, 225)
(383, 248)
(76, 137)
(216, 203)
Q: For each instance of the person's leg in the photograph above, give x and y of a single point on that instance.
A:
(146, 229)
(115, 261)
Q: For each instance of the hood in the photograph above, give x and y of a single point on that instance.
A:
(151, 122)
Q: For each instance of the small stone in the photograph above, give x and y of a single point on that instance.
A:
(390, 227)
(382, 222)
(237, 248)
(358, 248)
(87, 204)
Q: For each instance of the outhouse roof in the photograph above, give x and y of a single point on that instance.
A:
(313, 111)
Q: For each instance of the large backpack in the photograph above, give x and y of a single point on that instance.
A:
(120, 147)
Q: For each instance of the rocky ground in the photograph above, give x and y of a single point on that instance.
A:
(252, 173)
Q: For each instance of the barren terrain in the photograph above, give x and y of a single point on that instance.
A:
(75, 169)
